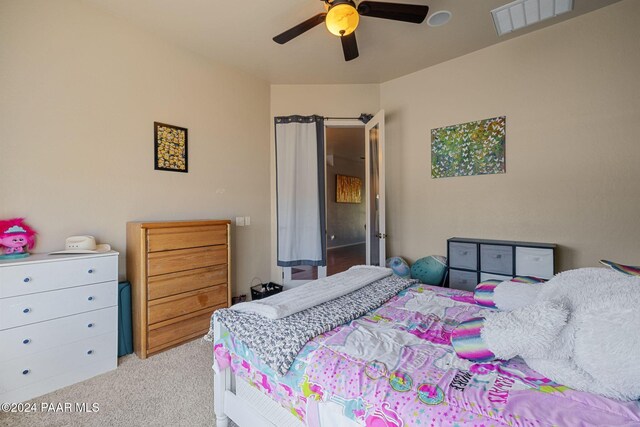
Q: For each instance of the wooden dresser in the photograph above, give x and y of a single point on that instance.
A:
(58, 322)
(179, 273)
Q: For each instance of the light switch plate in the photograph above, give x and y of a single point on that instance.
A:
(239, 221)
(247, 220)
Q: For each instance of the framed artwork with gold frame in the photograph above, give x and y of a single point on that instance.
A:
(170, 152)
(348, 189)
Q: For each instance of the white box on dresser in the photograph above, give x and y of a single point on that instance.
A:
(58, 322)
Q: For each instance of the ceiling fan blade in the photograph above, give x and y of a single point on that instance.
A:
(299, 29)
(414, 13)
(349, 46)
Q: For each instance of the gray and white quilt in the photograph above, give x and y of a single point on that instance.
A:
(277, 342)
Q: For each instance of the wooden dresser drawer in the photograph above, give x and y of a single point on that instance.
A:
(28, 309)
(30, 339)
(463, 255)
(185, 281)
(496, 259)
(171, 238)
(30, 278)
(185, 259)
(178, 331)
(22, 372)
(178, 305)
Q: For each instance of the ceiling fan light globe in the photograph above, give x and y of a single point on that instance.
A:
(342, 19)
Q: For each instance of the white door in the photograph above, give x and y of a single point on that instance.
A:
(374, 188)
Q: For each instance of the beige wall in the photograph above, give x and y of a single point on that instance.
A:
(572, 100)
(80, 92)
(326, 100)
(81, 89)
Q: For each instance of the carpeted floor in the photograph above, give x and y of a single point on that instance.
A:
(173, 388)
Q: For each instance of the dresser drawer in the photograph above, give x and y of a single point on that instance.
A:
(496, 259)
(186, 281)
(27, 309)
(179, 305)
(463, 255)
(465, 280)
(178, 331)
(534, 262)
(185, 259)
(31, 278)
(22, 372)
(30, 339)
(170, 238)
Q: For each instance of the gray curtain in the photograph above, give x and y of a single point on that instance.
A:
(300, 190)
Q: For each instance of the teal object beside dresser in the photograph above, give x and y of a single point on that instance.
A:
(430, 270)
(125, 336)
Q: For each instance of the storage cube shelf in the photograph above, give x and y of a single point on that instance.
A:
(58, 322)
(474, 260)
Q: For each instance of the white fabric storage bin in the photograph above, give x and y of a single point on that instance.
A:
(534, 262)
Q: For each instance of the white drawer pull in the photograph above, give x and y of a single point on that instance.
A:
(498, 256)
(463, 252)
(26, 341)
(536, 258)
(26, 310)
(26, 279)
(26, 371)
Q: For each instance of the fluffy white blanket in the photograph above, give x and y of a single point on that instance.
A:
(313, 293)
(581, 329)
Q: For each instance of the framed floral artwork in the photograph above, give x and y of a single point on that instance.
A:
(473, 148)
(170, 148)
(348, 189)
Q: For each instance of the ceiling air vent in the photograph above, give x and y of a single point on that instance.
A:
(522, 13)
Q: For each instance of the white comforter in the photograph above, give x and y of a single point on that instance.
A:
(313, 293)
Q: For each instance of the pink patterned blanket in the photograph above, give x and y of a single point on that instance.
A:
(395, 367)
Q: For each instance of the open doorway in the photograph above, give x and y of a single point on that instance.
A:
(355, 230)
(346, 212)
(345, 192)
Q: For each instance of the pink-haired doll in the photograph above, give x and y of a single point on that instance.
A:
(16, 238)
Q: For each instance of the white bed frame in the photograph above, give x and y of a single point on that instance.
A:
(235, 399)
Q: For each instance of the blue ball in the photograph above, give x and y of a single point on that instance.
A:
(399, 267)
(430, 270)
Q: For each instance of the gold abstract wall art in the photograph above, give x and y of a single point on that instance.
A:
(348, 189)
(170, 148)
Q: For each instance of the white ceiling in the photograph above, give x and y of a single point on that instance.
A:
(239, 34)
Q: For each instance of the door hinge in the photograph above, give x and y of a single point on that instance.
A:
(381, 235)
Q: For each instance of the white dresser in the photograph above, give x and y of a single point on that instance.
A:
(58, 322)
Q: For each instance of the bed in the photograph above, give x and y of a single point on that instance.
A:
(394, 366)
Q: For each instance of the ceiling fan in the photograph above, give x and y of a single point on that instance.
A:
(342, 17)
